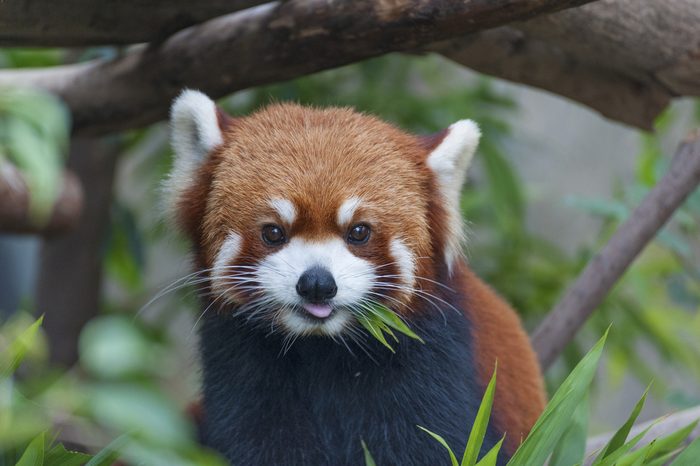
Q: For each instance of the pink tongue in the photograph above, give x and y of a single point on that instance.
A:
(318, 310)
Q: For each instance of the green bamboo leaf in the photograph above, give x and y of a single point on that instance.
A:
(442, 442)
(657, 447)
(390, 318)
(34, 454)
(18, 349)
(571, 448)
(491, 458)
(369, 461)
(108, 454)
(689, 456)
(374, 330)
(59, 456)
(553, 422)
(618, 440)
(612, 459)
(476, 436)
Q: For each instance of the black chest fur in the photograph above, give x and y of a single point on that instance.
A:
(313, 405)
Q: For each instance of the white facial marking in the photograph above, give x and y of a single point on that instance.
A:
(450, 161)
(405, 261)
(279, 273)
(347, 210)
(228, 251)
(285, 209)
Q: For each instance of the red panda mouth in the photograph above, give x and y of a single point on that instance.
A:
(320, 311)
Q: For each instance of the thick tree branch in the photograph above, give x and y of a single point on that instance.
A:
(14, 204)
(659, 428)
(605, 269)
(272, 42)
(87, 22)
(623, 58)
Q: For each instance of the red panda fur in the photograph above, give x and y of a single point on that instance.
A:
(388, 165)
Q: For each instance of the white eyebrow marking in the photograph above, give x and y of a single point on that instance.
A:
(347, 210)
(285, 209)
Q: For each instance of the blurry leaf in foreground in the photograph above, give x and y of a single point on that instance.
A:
(689, 456)
(59, 456)
(113, 347)
(143, 412)
(15, 353)
(34, 134)
(34, 454)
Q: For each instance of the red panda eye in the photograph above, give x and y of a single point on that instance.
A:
(273, 235)
(358, 234)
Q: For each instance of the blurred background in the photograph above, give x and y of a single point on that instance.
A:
(551, 182)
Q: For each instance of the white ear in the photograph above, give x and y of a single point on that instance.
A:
(195, 131)
(450, 161)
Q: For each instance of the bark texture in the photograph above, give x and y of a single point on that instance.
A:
(624, 58)
(57, 23)
(272, 42)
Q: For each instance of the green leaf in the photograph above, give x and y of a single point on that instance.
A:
(491, 458)
(442, 442)
(657, 447)
(618, 440)
(59, 456)
(374, 330)
(19, 348)
(476, 436)
(389, 317)
(34, 454)
(571, 448)
(553, 422)
(612, 459)
(34, 135)
(689, 456)
(108, 454)
(369, 461)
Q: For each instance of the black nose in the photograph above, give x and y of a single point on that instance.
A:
(316, 285)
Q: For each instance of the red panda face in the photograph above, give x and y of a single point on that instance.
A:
(305, 217)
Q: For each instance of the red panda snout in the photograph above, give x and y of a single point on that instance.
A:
(309, 284)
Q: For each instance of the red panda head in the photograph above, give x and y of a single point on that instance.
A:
(305, 216)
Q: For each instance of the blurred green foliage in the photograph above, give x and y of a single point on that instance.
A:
(33, 137)
(120, 388)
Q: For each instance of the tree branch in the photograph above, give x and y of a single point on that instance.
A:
(272, 42)
(58, 23)
(70, 269)
(659, 428)
(14, 204)
(606, 268)
(624, 58)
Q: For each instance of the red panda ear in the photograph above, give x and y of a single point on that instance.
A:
(451, 153)
(196, 129)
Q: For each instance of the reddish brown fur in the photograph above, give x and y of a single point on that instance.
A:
(365, 157)
(499, 336)
(335, 154)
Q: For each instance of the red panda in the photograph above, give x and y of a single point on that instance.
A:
(298, 218)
